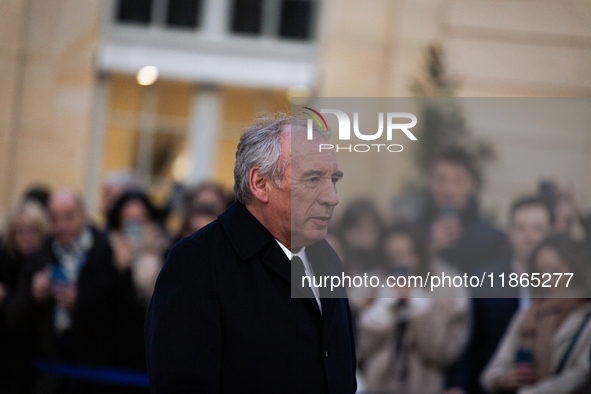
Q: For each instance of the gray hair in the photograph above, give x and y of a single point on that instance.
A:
(260, 146)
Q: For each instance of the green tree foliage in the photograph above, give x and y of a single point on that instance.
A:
(442, 120)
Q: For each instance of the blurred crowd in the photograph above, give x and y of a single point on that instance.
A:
(454, 340)
(74, 292)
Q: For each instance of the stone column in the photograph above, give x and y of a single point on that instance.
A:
(204, 133)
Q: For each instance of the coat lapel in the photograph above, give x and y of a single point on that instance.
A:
(276, 260)
(248, 237)
(320, 256)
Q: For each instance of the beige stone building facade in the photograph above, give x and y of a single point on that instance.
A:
(71, 110)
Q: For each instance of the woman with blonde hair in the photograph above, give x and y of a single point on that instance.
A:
(27, 229)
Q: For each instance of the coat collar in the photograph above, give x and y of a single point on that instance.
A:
(247, 235)
(98, 243)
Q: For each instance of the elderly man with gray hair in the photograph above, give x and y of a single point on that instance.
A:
(222, 318)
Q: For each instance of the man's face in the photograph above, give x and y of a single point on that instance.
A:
(364, 234)
(134, 212)
(400, 251)
(451, 185)
(67, 220)
(309, 195)
(529, 226)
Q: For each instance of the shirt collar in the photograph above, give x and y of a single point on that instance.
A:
(81, 245)
(289, 253)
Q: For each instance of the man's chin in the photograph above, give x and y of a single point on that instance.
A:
(310, 237)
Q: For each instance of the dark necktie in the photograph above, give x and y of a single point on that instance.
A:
(297, 272)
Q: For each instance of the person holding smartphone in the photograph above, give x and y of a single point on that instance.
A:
(139, 243)
(408, 336)
(460, 236)
(546, 348)
(69, 296)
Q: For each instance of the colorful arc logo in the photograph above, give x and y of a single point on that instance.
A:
(316, 117)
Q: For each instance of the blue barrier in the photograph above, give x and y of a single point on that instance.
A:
(113, 376)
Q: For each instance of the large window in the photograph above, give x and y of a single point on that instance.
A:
(296, 18)
(288, 19)
(146, 129)
(282, 18)
(247, 16)
(135, 11)
(173, 13)
(183, 13)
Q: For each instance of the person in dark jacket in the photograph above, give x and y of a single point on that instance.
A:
(451, 218)
(530, 221)
(28, 227)
(222, 318)
(70, 297)
(462, 238)
(139, 246)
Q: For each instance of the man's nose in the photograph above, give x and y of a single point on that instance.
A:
(328, 194)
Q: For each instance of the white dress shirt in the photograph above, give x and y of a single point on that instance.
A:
(307, 269)
(71, 261)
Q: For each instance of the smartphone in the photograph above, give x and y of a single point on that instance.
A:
(453, 212)
(133, 230)
(524, 356)
(58, 276)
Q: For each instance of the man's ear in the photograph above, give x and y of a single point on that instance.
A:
(258, 185)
